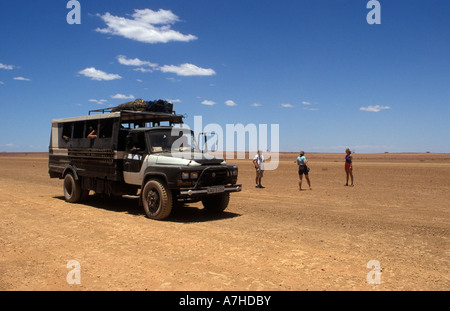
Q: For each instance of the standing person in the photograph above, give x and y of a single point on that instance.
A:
(303, 170)
(349, 166)
(258, 162)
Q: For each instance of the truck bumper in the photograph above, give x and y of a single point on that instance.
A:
(192, 192)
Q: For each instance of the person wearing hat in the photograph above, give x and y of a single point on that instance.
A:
(303, 170)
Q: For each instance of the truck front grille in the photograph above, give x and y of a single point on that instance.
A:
(213, 178)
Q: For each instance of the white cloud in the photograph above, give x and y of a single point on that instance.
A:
(287, 106)
(143, 69)
(182, 70)
(139, 80)
(173, 101)
(230, 103)
(134, 62)
(187, 70)
(310, 109)
(376, 108)
(122, 96)
(6, 67)
(143, 26)
(1, 82)
(256, 105)
(98, 101)
(173, 80)
(161, 17)
(208, 103)
(21, 79)
(98, 75)
(309, 106)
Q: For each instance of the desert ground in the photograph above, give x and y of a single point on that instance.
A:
(271, 239)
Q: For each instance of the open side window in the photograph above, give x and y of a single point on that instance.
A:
(66, 133)
(106, 128)
(78, 129)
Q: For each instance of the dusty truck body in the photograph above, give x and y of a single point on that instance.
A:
(139, 153)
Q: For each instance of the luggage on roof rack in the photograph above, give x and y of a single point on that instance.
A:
(159, 106)
(141, 105)
(137, 105)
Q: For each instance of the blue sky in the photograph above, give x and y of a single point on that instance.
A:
(316, 68)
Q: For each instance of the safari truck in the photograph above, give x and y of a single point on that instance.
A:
(145, 154)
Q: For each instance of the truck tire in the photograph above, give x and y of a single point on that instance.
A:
(72, 189)
(157, 200)
(217, 202)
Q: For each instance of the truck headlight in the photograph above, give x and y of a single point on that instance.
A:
(184, 175)
(234, 172)
(194, 175)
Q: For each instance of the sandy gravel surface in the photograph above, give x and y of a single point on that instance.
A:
(275, 238)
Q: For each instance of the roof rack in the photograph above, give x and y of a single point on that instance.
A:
(102, 110)
(144, 116)
(148, 116)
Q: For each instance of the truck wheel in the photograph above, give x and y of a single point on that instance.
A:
(157, 200)
(217, 202)
(72, 189)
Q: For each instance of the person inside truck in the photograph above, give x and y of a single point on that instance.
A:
(136, 142)
(92, 134)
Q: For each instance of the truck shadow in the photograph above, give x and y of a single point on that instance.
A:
(191, 214)
(185, 214)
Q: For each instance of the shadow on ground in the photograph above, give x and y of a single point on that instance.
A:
(187, 213)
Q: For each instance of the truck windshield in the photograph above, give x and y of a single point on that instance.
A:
(175, 140)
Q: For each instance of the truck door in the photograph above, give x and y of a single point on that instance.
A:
(135, 153)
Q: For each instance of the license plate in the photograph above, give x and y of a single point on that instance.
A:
(216, 189)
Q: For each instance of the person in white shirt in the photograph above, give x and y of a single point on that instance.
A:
(258, 162)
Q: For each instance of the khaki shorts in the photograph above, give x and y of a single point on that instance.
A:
(259, 173)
